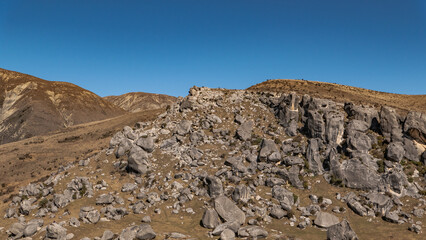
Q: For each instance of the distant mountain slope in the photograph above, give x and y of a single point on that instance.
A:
(30, 106)
(139, 101)
(342, 93)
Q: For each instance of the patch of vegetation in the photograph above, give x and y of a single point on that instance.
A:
(422, 192)
(83, 190)
(336, 181)
(305, 184)
(69, 139)
(43, 203)
(255, 140)
(381, 165)
(320, 199)
(290, 214)
(295, 197)
(410, 179)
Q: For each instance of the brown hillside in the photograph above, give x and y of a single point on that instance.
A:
(30, 106)
(140, 101)
(30, 159)
(342, 93)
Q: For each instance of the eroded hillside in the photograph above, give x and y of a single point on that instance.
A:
(30, 106)
(140, 101)
(225, 164)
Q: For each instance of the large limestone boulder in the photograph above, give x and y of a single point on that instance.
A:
(415, 126)
(325, 220)
(341, 231)
(210, 219)
(228, 210)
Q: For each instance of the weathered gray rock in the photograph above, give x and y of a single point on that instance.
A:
(415, 126)
(16, 230)
(195, 153)
(269, 151)
(30, 229)
(325, 220)
(412, 152)
(315, 124)
(245, 130)
(60, 200)
(129, 233)
(341, 231)
(277, 212)
(395, 151)
(282, 194)
(10, 213)
(379, 202)
(365, 114)
(73, 222)
(129, 187)
(334, 128)
(357, 175)
(145, 232)
(138, 207)
(215, 187)
(288, 114)
(394, 182)
(124, 146)
(168, 143)
(415, 228)
(293, 160)
(355, 125)
(359, 141)
(241, 193)
(233, 226)
(197, 137)
(89, 215)
(418, 212)
(146, 143)
(273, 181)
(357, 207)
(107, 235)
(183, 127)
(227, 234)
(313, 157)
(146, 219)
(105, 199)
(391, 217)
(55, 231)
(389, 124)
(210, 219)
(254, 232)
(228, 210)
(137, 162)
(113, 213)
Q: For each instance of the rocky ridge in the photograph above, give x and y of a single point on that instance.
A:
(239, 163)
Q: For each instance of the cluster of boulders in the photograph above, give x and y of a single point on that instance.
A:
(224, 147)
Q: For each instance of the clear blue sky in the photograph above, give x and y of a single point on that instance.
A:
(114, 47)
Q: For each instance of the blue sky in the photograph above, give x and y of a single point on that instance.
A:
(114, 47)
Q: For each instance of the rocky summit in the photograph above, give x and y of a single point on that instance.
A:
(239, 164)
